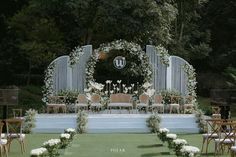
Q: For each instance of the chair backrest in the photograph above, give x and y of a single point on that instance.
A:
(56, 99)
(17, 113)
(144, 98)
(213, 126)
(120, 98)
(158, 99)
(14, 126)
(215, 109)
(95, 98)
(188, 99)
(227, 131)
(175, 99)
(82, 99)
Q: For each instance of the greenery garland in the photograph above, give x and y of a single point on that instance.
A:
(29, 121)
(48, 81)
(191, 83)
(164, 55)
(82, 120)
(153, 123)
(75, 55)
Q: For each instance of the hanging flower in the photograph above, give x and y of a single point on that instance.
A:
(119, 81)
(96, 85)
(146, 85)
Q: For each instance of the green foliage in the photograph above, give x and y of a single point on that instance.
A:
(190, 40)
(29, 121)
(230, 73)
(153, 123)
(82, 120)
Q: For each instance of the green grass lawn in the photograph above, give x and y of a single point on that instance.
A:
(126, 145)
(110, 145)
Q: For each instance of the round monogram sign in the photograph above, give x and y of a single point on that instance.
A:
(119, 62)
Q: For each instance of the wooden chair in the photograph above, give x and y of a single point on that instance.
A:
(175, 104)
(188, 103)
(212, 132)
(3, 142)
(143, 102)
(14, 131)
(81, 103)
(56, 103)
(158, 104)
(227, 136)
(96, 102)
(120, 100)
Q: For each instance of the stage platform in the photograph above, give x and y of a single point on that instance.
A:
(115, 123)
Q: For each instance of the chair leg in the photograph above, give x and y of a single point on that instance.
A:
(1, 150)
(6, 150)
(203, 142)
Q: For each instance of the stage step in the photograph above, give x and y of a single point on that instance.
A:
(115, 123)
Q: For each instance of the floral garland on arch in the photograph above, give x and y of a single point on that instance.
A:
(75, 55)
(164, 55)
(191, 84)
(48, 81)
(131, 47)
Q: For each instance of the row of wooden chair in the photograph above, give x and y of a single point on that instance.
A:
(223, 133)
(120, 100)
(158, 105)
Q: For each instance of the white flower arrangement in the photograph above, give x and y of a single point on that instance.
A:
(39, 152)
(52, 142)
(75, 55)
(70, 130)
(189, 151)
(65, 135)
(179, 141)
(178, 144)
(171, 136)
(191, 84)
(96, 86)
(146, 85)
(150, 92)
(48, 81)
(164, 130)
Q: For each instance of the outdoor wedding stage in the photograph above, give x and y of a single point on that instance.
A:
(129, 78)
(116, 123)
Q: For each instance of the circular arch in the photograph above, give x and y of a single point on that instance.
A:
(130, 47)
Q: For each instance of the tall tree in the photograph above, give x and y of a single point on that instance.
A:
(190, 40)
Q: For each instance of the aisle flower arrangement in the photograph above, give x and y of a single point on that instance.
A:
(178, 144)
(189, 151)
(70, 131)
(39, 152)
(162, 134)
(65, 140)
(52, 147)
(170, 138)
